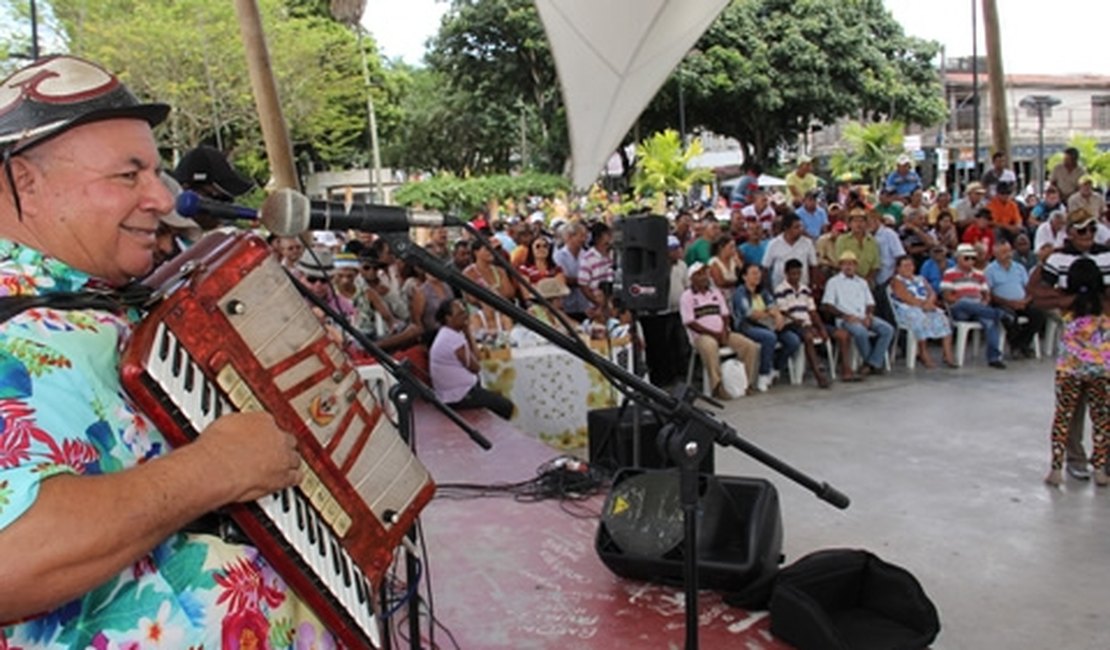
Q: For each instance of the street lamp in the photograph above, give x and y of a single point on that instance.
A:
(1039, 105)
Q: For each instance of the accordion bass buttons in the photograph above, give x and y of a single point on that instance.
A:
(235, 307)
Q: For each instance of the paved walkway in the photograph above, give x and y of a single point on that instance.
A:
(945, 468)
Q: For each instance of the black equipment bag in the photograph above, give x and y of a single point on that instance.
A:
(845, 599)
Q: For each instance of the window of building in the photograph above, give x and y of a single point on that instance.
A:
(1100, 112)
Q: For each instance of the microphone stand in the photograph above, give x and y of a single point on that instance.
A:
(686, 439)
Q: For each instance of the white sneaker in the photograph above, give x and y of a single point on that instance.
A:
(763, 383)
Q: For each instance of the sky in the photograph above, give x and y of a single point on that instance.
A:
(1061, 36)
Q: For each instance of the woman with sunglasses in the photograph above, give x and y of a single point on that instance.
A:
(540, 262)
(486, 272)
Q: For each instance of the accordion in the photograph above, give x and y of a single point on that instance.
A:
(232, 333)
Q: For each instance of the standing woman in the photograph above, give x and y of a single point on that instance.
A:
(724, 265)
(1083, 368)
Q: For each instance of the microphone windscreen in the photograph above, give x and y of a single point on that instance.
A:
(285, 212)
(187, 204)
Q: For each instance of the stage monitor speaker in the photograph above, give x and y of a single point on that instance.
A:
(739, 537)
(645, 270)
(612, 447)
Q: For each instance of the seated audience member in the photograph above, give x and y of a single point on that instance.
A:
(1087, 198)
(314, 271)
(967, 294)
(1004, 212)
(974, 200)
(1051, 203)
(942, 204)
(486, 272)
(916, 306)
(595, 266)
(814, 218)
(699, 249)
(760, 211)
(437, 244)
(980, 232)
(755, 246)
(461, 256)
(933, 269)
(453, 362)
(375, 313)
(291, 250)
(795, 301)
(539, 261)
(724, 266)
(705, 313)
(424, 302)
(790, 244)
(945, 233)
(826, 249)
(849, 302)
(755, 315)
(1007, 279)
(860, 242)
(916, 239)
(1051, 234)
(1024, 253)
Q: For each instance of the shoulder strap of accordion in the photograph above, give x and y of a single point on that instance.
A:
(133, 295)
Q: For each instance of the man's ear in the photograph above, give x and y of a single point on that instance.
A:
(28, 179)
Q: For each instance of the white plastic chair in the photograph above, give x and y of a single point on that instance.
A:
(911, 340)
(723, 352)
(963, 329)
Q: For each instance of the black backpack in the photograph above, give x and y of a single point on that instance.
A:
(844, 599)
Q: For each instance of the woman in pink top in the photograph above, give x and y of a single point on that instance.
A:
(453, 364)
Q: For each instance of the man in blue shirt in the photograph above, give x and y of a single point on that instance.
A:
(1007, 280)
(741, 192)
(903, 180)
(814, 218)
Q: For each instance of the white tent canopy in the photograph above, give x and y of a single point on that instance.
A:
(612, 56)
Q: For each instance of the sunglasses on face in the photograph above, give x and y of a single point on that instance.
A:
(315, 280)
(1086, 230)
(541, 246)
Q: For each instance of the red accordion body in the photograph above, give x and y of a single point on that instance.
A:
(233, 334)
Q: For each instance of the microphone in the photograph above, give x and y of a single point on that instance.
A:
(190, 204)
(288, 213)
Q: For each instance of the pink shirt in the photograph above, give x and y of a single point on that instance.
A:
(450, 379)
(708, 309)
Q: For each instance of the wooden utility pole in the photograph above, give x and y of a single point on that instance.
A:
(274, 133)
(1000, 125)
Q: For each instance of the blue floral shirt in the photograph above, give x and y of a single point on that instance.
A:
(62, 410)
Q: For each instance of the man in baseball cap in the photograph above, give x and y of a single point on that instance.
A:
(94, 500)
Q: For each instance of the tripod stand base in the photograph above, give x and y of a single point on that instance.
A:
(739, 529)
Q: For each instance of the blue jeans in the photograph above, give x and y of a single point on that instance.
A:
(987, 316)
(767, 339)
(874, 354)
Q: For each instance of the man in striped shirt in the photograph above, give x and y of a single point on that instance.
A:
(967, 294)
(795, 300)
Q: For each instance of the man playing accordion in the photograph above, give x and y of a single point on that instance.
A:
(92, 500)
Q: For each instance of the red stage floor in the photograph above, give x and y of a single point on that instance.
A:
(507, 574)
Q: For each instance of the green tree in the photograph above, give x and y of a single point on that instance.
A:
(872, 150)
(492, 59)
(767, 70)
(663, 167)
(189, 54)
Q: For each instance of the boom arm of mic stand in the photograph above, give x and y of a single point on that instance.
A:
(637, 389)
(394, 368)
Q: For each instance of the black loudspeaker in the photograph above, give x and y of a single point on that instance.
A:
(612, 447)
(739, 529)
(645, 271)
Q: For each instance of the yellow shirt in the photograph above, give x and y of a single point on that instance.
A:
(866, 252)
(799, 185)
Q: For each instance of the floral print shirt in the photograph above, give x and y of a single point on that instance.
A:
(1085, 346)
(62, 410)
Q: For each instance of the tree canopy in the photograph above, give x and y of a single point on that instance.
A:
(189, 54)
(767, 70)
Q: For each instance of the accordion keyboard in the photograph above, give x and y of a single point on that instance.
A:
(288, 512)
